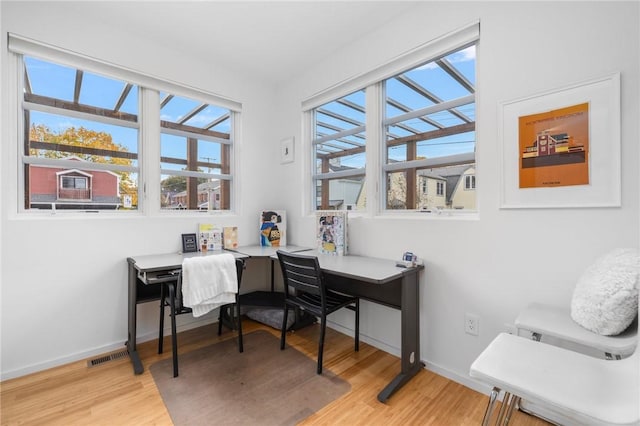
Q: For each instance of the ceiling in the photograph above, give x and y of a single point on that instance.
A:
(281, 38)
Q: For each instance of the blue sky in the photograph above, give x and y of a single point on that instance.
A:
(436, 81)
(57, 81)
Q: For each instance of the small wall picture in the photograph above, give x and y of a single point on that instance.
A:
(286, 150)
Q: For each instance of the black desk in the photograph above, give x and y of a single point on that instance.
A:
(376, 280)
(381, 281)
(145, 273)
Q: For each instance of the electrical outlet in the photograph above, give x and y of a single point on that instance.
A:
(471, 324)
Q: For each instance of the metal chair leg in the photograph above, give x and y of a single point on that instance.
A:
(174, 335)
(515, 400)
(323, 327)
(240, 344)
(283, 333)
(490, 406)
(503, 408)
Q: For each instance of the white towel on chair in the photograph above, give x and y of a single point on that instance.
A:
(209, 282)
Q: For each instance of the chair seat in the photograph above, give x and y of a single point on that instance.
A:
(589, 390)
(311, 302)
(556, 322)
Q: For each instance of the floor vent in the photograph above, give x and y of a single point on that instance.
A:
(106, 358)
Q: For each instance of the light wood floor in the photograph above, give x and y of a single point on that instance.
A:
(110, 394)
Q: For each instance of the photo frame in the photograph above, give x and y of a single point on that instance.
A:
(589, 110)
(286, 150)
(189, 243)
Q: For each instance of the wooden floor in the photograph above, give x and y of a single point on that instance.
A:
(110, 394)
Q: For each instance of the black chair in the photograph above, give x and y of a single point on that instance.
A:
(227, 316)
(304, 288)
(171, 295)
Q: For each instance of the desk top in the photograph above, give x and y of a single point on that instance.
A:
(265, 251)
(151, 262)
(363, 268)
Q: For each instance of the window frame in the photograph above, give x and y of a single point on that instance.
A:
(148, 167)
(470, 182)
(372, 82)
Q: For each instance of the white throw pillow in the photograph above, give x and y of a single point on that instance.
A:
(605, 299)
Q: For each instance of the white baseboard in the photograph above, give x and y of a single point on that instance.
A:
(100, 350)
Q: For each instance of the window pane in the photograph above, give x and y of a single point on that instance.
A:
(343, 194)
(437, 188)
(430, 126)
(195, 138)
(58, 134)
(339, 148)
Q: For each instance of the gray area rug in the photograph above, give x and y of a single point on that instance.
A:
(261, 386)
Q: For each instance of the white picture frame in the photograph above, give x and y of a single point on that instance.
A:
(286, 150)
(603, 187)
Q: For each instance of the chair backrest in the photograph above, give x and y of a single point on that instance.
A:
(179, 298)
(302, 273)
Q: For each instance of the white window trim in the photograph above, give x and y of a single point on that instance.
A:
(26, 46)
(457, 39)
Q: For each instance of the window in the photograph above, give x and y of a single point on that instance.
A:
(470, 182)
(416, 124)
(72, 182)
(195, 154)
(78, 125)
(86, 124)
(339, 153)
(429, 124)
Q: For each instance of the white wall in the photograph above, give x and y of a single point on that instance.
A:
(495, 265)
(55, 309)
(64, 286)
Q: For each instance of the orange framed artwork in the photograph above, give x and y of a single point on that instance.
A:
(554, 147)
(562, 148)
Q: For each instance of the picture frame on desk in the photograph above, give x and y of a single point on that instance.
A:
(189, 243)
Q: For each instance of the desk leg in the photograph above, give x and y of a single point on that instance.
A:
(132, 318)
(410, 325)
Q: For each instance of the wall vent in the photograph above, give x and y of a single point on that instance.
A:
(106, 358)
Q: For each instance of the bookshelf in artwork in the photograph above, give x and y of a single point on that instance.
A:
(331, 232)
(209, 237)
